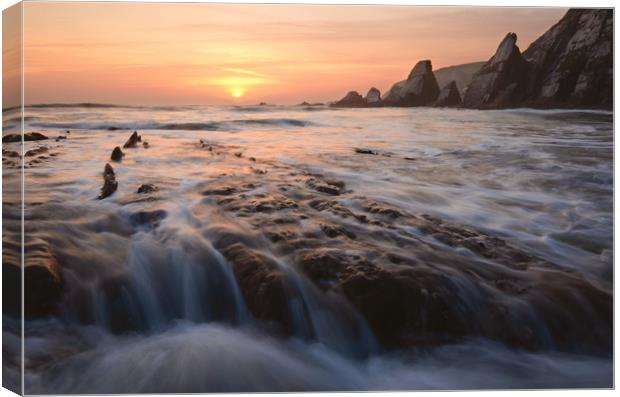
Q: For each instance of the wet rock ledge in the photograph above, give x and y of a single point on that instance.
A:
(417, 280)
(440, 284)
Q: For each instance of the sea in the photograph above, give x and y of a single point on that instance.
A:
(152, 302)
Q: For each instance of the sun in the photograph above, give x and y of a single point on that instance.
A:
(237, 92)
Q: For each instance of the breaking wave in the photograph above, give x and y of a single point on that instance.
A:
(227, 125)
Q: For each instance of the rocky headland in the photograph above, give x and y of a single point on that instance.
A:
(569, 66)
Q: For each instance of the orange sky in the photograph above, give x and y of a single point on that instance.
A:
(11, 57)
(149, 53)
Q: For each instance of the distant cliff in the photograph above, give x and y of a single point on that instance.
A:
(460, 74)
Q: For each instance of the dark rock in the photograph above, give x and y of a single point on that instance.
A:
(280, 235)
(502, 81)
(572, 63)
(333, 188)
(405, 308)
(220, 191)
(29, 136)
(211, 146)
(149, 218)
(117, 154)
(42, 281)
(37, 151)
(44, 289)
(366, 151)
(60, 137)
(10, 153)
(333, 231)
(382, 209)
(263, 204)
(336, 209)
(430, 291)
(145, 144)
(419, 89)
(339, 184)
(421, 306)
(323, 188)
(147, 188)
(262, 284)
(132, 141)
(352, 100)
(373, 97)
(304, 103)
(48, 286)
(11, 287)
(34, 136)
(578, 315)
(108, 170)
(449, 96)
(483, 245)
(109, 182)
(322, 263)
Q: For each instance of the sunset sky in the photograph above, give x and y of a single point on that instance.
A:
(146, 54)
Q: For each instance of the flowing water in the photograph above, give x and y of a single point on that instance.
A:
(151, 301)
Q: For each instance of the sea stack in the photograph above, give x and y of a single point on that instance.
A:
(353, 99)
(419, 89)
(373, 97)
(449, 96)
(502, 81)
